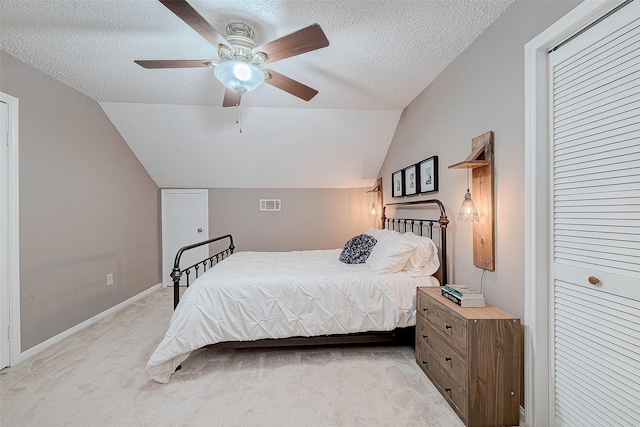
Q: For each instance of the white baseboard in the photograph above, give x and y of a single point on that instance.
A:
(48, 343)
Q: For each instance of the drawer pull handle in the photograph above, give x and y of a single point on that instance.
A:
(448, 359)
(425, 336)
(595, 281)
(448, 326)
(425, 309)
(424, 362)
(448, 390)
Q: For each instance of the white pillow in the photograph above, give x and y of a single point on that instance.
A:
(424, 260)
(381, 234)
(390, 253)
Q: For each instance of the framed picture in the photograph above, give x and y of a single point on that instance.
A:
(411, 180)
(428, 175)
(397, 184)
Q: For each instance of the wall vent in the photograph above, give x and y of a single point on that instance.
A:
(269, 204)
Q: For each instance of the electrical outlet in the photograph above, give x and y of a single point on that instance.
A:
(109, 279)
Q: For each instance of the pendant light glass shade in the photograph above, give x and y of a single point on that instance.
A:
(468, 211)
(373, 205)
(240, 77)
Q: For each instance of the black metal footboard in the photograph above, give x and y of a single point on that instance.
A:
(176, 273)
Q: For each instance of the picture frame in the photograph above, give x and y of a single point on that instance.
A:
(411, 180)
(428, 175)
(397, 183)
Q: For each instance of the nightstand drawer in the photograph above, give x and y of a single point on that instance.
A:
(421, 356)
(447, 386)
(448, 360)
(444, 322)
(424, 306)
(423, 334)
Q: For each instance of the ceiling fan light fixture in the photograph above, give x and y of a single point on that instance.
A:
(240, 58)
(240, 77)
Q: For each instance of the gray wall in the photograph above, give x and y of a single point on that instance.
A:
(310, 218)
(482, 90)
(87, 207)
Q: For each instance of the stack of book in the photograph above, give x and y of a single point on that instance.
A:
(464, 296)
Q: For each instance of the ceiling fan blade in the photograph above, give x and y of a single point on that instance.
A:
(231, 98)
(287, 84)
(176, 63)
(302, 41)
(189, 15)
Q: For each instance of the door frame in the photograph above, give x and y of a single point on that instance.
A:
(163, 194)
(537, 332)
(12, 242)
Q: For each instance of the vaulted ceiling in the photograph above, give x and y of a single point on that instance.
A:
(381, 55)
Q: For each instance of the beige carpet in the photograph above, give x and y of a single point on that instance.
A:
(97, 378)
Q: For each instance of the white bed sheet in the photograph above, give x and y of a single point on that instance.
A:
(256, 295)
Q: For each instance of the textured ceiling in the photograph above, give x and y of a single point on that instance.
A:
(382, 54)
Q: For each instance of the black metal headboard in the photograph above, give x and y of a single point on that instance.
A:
(418, 226)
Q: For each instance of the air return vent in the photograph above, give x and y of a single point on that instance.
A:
(269, 204)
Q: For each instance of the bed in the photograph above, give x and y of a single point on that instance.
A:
(362, 293)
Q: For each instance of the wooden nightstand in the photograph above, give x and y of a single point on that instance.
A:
(472, 356)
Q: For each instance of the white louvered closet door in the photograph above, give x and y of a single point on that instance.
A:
(595, 189)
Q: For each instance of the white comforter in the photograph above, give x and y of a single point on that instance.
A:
(255, 295)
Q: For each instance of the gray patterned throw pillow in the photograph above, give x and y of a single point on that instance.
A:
(357, 249)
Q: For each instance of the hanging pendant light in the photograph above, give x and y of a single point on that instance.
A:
(468, 211)
(373, 192)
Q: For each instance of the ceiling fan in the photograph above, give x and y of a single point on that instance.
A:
(239, 68)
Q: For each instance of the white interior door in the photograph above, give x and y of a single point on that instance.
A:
(595, 183)
(5, 353)
(185, 220)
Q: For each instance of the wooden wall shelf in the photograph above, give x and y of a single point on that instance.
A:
(470, 164)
